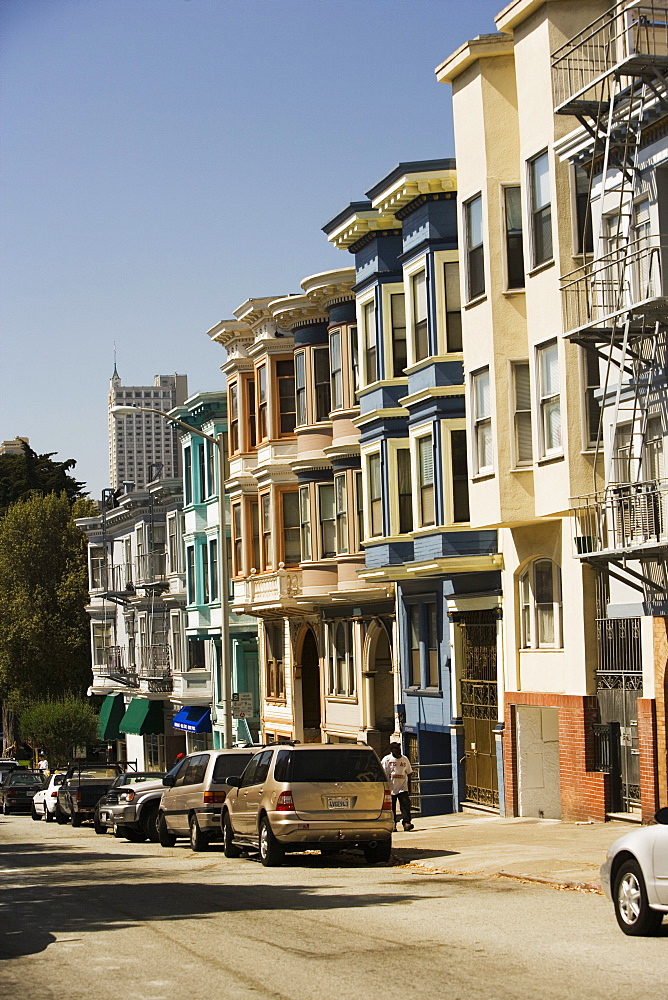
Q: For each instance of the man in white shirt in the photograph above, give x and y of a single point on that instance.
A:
(398, 770)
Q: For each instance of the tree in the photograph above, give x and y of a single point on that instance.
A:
(57, 727)
(21, 475)
(44, 628)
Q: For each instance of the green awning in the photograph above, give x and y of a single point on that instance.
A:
(111, 713)
(143, 717)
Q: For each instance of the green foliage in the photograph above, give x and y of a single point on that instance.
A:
(44, 628)
(21, 475)
(58, 726)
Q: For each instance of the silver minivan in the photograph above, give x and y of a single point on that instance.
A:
(195, 791)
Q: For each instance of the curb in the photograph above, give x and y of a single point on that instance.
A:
(556, 883)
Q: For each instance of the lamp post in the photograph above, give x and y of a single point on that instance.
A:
(226, 665)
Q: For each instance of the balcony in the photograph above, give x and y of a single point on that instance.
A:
(151, 568)
(629, 40)
(625, 519)
(626, 280)
(268, 591)
(154, 668)
(114, 667)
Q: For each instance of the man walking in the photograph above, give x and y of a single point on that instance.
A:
(398, 770)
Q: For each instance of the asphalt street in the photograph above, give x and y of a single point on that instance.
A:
(88, 917)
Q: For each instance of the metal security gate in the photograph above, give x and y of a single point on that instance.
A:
(479, 706)
(618, 687)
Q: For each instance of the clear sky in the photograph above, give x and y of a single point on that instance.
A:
(164, 160)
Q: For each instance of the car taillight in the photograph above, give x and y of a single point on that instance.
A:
(79, 796)
(387, 800)
(285, 803)
(214, 797)
(54, 795)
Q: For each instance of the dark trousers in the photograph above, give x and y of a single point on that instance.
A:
(404, 800)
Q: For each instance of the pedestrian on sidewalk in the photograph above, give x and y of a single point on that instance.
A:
(398, 772)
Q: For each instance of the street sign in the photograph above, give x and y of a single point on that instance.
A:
(242, 704)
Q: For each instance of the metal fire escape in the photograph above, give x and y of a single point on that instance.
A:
(612, 77)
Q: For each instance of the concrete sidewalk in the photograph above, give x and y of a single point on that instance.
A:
(542, 850)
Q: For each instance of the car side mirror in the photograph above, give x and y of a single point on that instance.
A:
(169, 780)
(661, 816)
(234, 781)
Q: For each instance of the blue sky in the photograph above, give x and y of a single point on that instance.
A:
(163, 160)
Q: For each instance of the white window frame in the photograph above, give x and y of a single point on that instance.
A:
(546, 400)
(531, 625)
(422, 434)
(519, 413)
(537, 209)
(482, 422)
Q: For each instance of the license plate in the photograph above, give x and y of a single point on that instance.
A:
(340, 802)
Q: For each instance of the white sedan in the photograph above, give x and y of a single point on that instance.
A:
(634, 877)
(44, 801)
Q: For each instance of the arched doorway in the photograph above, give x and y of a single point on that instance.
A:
(310, 683)
(379, 687)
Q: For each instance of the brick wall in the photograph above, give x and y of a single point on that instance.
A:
(647, 744)
(584, 793)
(660, 659)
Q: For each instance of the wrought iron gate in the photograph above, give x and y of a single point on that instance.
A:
(479, 705)
(618, 687)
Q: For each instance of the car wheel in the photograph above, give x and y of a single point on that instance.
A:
(61, 817)
(98, 825)
(632, 910)
(48, 815)
(380, 851)
(271, 852)
(230, 850)
(165, 838)
(150, 823)
(77, 819)
(134, 836)
(33, 812)
(198, 840)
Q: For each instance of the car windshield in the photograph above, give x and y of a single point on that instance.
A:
(228, 764)
(139, 777)
(23, 778)
(335, 765)
(95, 773)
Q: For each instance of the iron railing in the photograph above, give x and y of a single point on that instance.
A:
(625, 517)
(621, 281)
(627, 37)
(154, 661)
(439, 784)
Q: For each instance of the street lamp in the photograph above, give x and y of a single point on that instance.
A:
(226, 663)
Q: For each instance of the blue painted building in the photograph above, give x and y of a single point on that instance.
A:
(415, 483)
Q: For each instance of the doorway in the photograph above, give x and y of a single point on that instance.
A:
(311, 698)
(479, 706)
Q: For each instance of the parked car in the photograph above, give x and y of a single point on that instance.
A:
(634, 876)
(8, 764)
(131, 805)
(291, 798)
(83, 786)
(17, 790)
(193, 796)
(44, 801)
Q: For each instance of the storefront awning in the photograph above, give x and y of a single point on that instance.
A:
(143, 718)
(111, 714)
(194, 719)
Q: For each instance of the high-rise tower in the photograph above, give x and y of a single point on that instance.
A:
(144, 447)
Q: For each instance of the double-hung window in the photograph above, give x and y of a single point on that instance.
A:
(540, 605)
(359, 509)
(420, 323)
(285, 379)
(233, 396)
(423, 639)
(323, 392)
(475, 254)
(274, 676)
(522, 413)
(267, 559)
(237, 541)
(375, 496)
(460, 477)
(592, 384)
(300, 387)
(541, 209)
(398, 314)
(327, 521)
(425, 456)
(190, 573)
(262, 403)
(482, 419)
(404, 490)
(453, 307)
(341, 504)
(336, 365)
(305, 523)
(514, 239)
(213, 568)
(370, 341)
(550, 400)
(291, 526)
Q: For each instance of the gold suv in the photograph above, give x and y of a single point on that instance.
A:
(292, 798)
